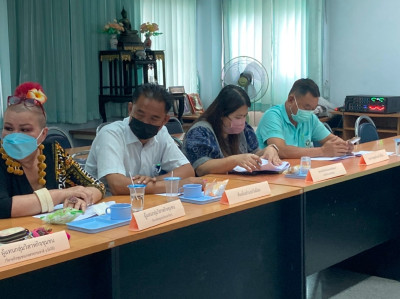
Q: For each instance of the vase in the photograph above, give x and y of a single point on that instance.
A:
(113, 42)
(147, 43)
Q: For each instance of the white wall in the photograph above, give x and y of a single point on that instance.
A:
(364, 48)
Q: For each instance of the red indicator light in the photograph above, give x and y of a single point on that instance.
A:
(376, 108)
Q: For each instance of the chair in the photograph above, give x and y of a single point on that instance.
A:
(81, 157)
(59, 135)
(174, 126)
(328, 127)
(366, 130)
(100, 126)
(178, 142)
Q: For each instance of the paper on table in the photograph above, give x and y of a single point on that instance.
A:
(333, 158)
(266, 166)
(90, 211)
(354, 154)
(360, 153)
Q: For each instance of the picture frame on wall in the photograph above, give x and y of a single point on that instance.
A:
(187, 109)
(178, 92)
(195, 103)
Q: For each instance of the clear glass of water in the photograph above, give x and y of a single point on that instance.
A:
(305, 165)
(397, 146)
(172, 187)
(137, 196)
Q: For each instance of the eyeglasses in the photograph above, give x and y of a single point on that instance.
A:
(13, 100)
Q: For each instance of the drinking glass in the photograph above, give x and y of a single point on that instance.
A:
(172, 187)
(137, 196)
(305, 165)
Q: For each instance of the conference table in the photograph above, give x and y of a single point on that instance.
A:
(261, 248)
(346, 215)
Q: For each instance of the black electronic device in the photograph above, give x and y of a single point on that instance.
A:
(372, 104)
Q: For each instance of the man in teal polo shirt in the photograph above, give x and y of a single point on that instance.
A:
(293, 127)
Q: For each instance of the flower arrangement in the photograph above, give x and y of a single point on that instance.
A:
(149, 29)
(113, 27)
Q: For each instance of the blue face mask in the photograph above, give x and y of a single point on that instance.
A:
(19, 146)
(302, 115)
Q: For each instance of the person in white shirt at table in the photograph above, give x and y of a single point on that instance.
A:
(140, 145)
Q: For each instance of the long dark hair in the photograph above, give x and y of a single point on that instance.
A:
(229, 99)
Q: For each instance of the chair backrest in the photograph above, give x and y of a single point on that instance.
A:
(81, 157)
(316, 143)
(178, 142)
(366, 130)
(328, 127)
(59, 135)
(174, 126)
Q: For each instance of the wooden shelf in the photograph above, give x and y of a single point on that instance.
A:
(387, 124)
(395, 115)
(387, 131)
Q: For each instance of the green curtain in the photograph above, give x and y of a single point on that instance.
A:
(177, 22)
(5, 82)
(56, 43)
(276, 33)
(315, 41)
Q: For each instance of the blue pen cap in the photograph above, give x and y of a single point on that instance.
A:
(172, 178)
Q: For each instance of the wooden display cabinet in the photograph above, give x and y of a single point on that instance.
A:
(119, 73)
(387, 125)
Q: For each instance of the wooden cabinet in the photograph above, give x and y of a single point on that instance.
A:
(188, 120)
(387, 124)
(122, 71)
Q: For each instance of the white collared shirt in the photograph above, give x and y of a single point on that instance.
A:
(117, 150)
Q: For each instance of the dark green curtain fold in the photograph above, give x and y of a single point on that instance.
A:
(56, 43)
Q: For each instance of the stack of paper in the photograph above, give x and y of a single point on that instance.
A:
(266, 167)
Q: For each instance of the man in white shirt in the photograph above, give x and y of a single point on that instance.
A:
(139, 145)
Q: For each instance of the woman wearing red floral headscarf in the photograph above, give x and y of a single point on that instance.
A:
(34, 176)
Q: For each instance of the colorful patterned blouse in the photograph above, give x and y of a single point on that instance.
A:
(200, 143)
(61, 172)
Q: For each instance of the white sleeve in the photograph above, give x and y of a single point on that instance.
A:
(106, 154)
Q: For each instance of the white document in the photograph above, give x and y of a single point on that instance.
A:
(360, 153)
(266, 166)
(352, 155)
(332, 158)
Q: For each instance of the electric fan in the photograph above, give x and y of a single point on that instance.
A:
(247, 73)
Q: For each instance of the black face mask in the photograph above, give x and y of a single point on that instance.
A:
(142, 130)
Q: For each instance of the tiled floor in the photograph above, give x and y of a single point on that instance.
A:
(343, 284)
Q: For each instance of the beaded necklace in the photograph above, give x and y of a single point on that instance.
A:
(14, 167)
